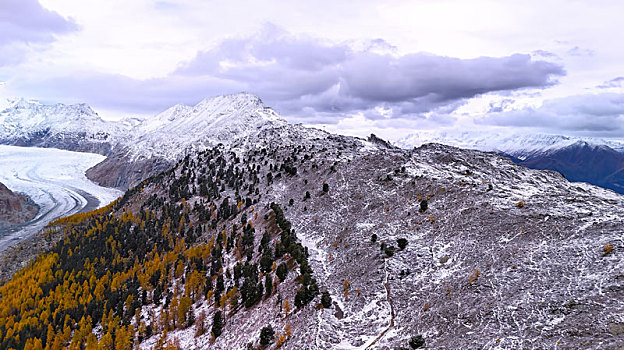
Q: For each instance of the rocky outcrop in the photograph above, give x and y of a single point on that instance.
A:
(15, 208)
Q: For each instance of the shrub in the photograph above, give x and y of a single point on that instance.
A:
(424, 205)
(374, 238)
(266, 335)
(402, 242)
(417, 342)
(608, 249)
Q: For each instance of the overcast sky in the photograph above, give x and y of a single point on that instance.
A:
(388, 67)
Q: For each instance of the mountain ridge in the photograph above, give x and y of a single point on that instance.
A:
(593, 160)
(380, 247)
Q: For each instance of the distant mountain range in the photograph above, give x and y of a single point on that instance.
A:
(135, 148)
(593, 160)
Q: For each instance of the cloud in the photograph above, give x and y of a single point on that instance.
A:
(302, 73)
(591, 114)
(579, 51)
(544, 53)
(613, 83)
(24, 23)
(306, 78)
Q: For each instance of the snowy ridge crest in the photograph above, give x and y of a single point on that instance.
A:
(221, 119)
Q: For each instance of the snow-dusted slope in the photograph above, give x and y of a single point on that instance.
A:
(72, 127)
(592, 160)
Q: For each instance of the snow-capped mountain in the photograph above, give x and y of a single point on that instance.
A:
(160, 141)
(136, 147)
(214, 120)
(72, 127)
(167, 135)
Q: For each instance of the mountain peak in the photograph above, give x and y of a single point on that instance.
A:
(239, 99)
(219, 119)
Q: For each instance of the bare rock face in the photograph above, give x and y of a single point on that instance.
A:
(119, 171)
(14, 208)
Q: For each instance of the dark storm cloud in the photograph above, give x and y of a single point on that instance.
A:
(599, 115)
(26, 22)
(304, 77)
(299, 74)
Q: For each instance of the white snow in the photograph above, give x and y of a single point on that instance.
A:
(214, 120)
(55, 180)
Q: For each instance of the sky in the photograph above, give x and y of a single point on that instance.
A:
(384, 67)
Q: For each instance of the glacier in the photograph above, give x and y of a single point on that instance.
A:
(55, 180)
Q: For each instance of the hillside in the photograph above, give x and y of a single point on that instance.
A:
(598, 165)
(377, 246)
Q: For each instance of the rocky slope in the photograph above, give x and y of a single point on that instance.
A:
(15, 208)
(454, 248)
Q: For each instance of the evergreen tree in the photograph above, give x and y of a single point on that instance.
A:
(266, 261)
(282, 272)
(417, 342)
(268, 285)
(217, 324)
(402, 242)
(326, 300)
